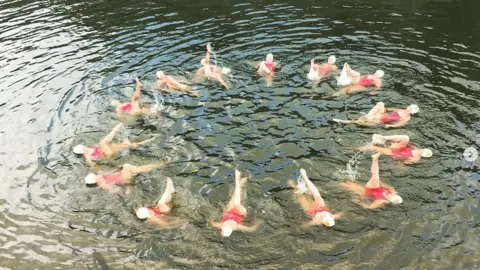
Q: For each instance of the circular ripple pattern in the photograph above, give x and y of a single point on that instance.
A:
(63, 61)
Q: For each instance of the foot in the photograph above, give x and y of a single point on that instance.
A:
(376, 156)
(378, 139)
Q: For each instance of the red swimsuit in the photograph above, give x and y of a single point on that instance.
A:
(156, 212)
(270, 65)
(377, 193)
(127, 107)
(393, 117)
(325, 69)
(365, 81)
(320, 209)
(97, 153)
(232, 215)
(403, 152)
(114, 179)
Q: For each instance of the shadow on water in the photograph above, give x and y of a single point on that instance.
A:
(64, 61)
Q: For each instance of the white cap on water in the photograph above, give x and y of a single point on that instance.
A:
(396, 199)
(226, 231)
(327, 218)
(90, 179)
(379, 73)
(415, 108)
(269, 57)
(160, 74)
(78, 149)
(332, 59)
(142, 213)
(427, 153)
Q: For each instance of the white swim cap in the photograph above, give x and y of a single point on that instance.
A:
(115, 103)
(427, 153)
(379, 73)
(78, 149)
(269, 57)
(332, 59)
(415, 108)
(142, 213)
(160, 74)
(376, 139)
(226, 231)
(327, 218)
(91, 179)
(396, 199)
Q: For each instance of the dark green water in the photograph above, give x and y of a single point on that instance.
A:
(63, 61)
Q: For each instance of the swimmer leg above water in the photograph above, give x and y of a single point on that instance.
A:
(376, 192)
(235, 212)
(168, 82)
(125, 176)
(212, 71)
(399, 149)
(106, 149)
(379, 115)
(316, 209)
(159, 214)
(133, 107)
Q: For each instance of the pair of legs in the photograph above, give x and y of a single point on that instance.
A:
(109, 149)
(129, 171)
(215, 75)
(165, 202)
(236, 200)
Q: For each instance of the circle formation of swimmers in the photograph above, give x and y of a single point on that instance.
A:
(372, 195)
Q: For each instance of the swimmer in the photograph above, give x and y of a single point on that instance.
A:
(319, 72)
(376, 192)
(357, 82)
(212, 71)
(168, 82)
(235, 212)
(379, 115)
(132, 107)
(316, 209)
(123, 176)
(158, 214)
(106, 149)
(399, 149)
(267, 68)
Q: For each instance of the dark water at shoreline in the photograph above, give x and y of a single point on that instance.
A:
(63, 61)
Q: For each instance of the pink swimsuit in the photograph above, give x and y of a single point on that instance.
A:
(232, 215)
(392, 117)
(270, 65)
(365, 81)
(403, 152)
(97, 153)
(156, 212)
(314, 212)
(127, 107)
(377, 193)
(114, 179)
(325, 69)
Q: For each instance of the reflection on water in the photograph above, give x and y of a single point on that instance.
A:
(63, 61)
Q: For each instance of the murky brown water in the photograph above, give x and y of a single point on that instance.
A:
(63, 61)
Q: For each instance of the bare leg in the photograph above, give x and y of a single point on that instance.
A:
(219, 78)
(120, 146)
(167, 194)
(379, 108)
(383, 150)
(269, 79)
(105, 142)
(134, 170)
(313, 189)
(374, 181)
(236, 201)
(399, 140)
